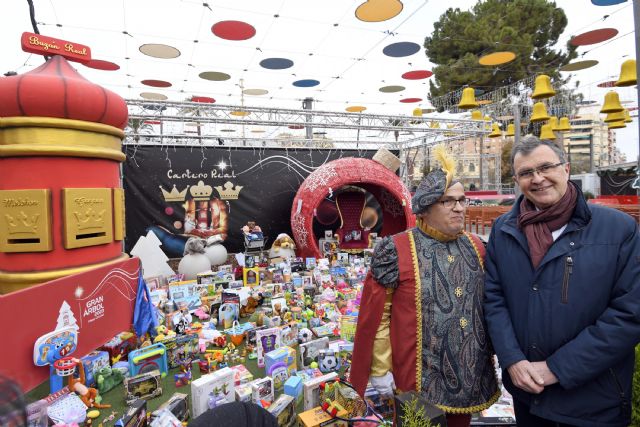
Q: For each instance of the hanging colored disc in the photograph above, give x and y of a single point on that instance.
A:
(296, 127)
(276, 63)
(156, 83)
(153, 96)
(417, 75)
(161, 51)
(214, 76)
(306, 83)
(152, 122)
(99, 64)
(607, 2)
(356, 109)
(378, 11)
(401, 49)
(233, 30)
(227, 130)
(257, 131)
(593, 37)
(579, 65)
(610, 83)
(255, 92)
(484, 102)
(497, 58)
(391, 89)
(410, 100)
(240, 113)
(204, 99)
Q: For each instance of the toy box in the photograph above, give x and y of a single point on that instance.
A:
(283, 355)
(218, 383)
(311, 389)
(243, 393)
(262, 389)
(293, 387)
(144, 386)
(289, 334)
(328, 360)
(185, 295)
(93, 362)
(266, 340)
(119, 346)
(181, 347)
(241, 375)
(135, 415)
(178, 404)
(317, 417)
(284, 410)
(149, 358)
(309, 351)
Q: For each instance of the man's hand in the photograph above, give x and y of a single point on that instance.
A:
(384, 384)
(543, 370)
(525, 376)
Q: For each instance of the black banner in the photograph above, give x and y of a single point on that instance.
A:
(179, 192)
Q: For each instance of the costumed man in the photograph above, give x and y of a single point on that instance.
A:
(421, 325)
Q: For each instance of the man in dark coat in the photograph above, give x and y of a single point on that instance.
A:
(562, 302)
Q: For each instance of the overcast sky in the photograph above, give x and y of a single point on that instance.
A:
(323, 40)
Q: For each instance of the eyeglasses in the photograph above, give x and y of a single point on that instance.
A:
(542, 170)
(450, 203)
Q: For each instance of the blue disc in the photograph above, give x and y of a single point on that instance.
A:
(306, 83)
(400, 49)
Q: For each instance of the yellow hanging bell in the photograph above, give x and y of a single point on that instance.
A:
(614, 117)
(487, 124)
(627, 116)
(553, 121)
(511, 130)
(611, 103)
(434, 125)
(546, 132)
(468, 99)
(539, 112)
(563, 126)
(543, 88)
(616, 125)
(417, 112)
(495, 131)
(628, 76)
(476, 115)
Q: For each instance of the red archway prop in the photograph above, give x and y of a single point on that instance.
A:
(386, 187)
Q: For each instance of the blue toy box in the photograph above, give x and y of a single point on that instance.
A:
(147, 359)
(293, 388)
(285, 355)
(93, 362)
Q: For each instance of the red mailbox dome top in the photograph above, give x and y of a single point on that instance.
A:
(56, 89)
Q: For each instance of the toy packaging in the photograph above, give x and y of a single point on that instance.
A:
(293, 388)
(178, 404)
(262, 389)
(119, 346)
(284, 410)
(243, 393)
(93, 362)
(328, 360)
(136, 414)
(241, 375)
(180, 347)
(283, 355)
(267, 340)
(311, 389)
(150, 357)
(309, 351)
(317, 417)
(219, 383)
(143, 386)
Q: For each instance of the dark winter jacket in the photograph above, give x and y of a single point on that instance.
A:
(579, 311)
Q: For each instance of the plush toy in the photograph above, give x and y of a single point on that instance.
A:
(214, 250)
(283, 247)
(88, 395)
(108, 378)
(194, 260)
(249, 308)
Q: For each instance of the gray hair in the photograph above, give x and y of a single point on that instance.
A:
(530, 143)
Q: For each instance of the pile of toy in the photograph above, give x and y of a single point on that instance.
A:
(295, 318)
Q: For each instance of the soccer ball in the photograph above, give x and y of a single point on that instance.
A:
(327, 361)
(304, 335)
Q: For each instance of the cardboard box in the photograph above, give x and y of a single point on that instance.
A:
(136, 414)
(93, 362)
(219, 382)
(284, 410)
(262, 389)
(317, 417)
(311, 389)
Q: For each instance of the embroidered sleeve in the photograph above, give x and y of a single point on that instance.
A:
(384, 264)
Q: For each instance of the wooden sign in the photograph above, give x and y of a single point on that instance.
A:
(43, 45)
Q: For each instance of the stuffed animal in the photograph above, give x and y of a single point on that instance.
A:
(283, 247)
(249, 308)
(194, 260)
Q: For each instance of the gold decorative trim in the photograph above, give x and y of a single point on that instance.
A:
(436, 234)
(45, 136)
(471, 409)
(475, 248)
(416, 272)
(13, 281)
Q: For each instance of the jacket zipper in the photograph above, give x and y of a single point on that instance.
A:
(620, 390)
(568, 269)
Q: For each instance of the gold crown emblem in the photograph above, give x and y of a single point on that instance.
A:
(22, 224)
(228, 192)
(89, 219)
(174, 195)
(201, 191)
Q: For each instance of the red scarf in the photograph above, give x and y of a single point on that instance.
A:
(537, 225)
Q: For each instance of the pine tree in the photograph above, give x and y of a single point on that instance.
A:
(529, 28)
(66, 317)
